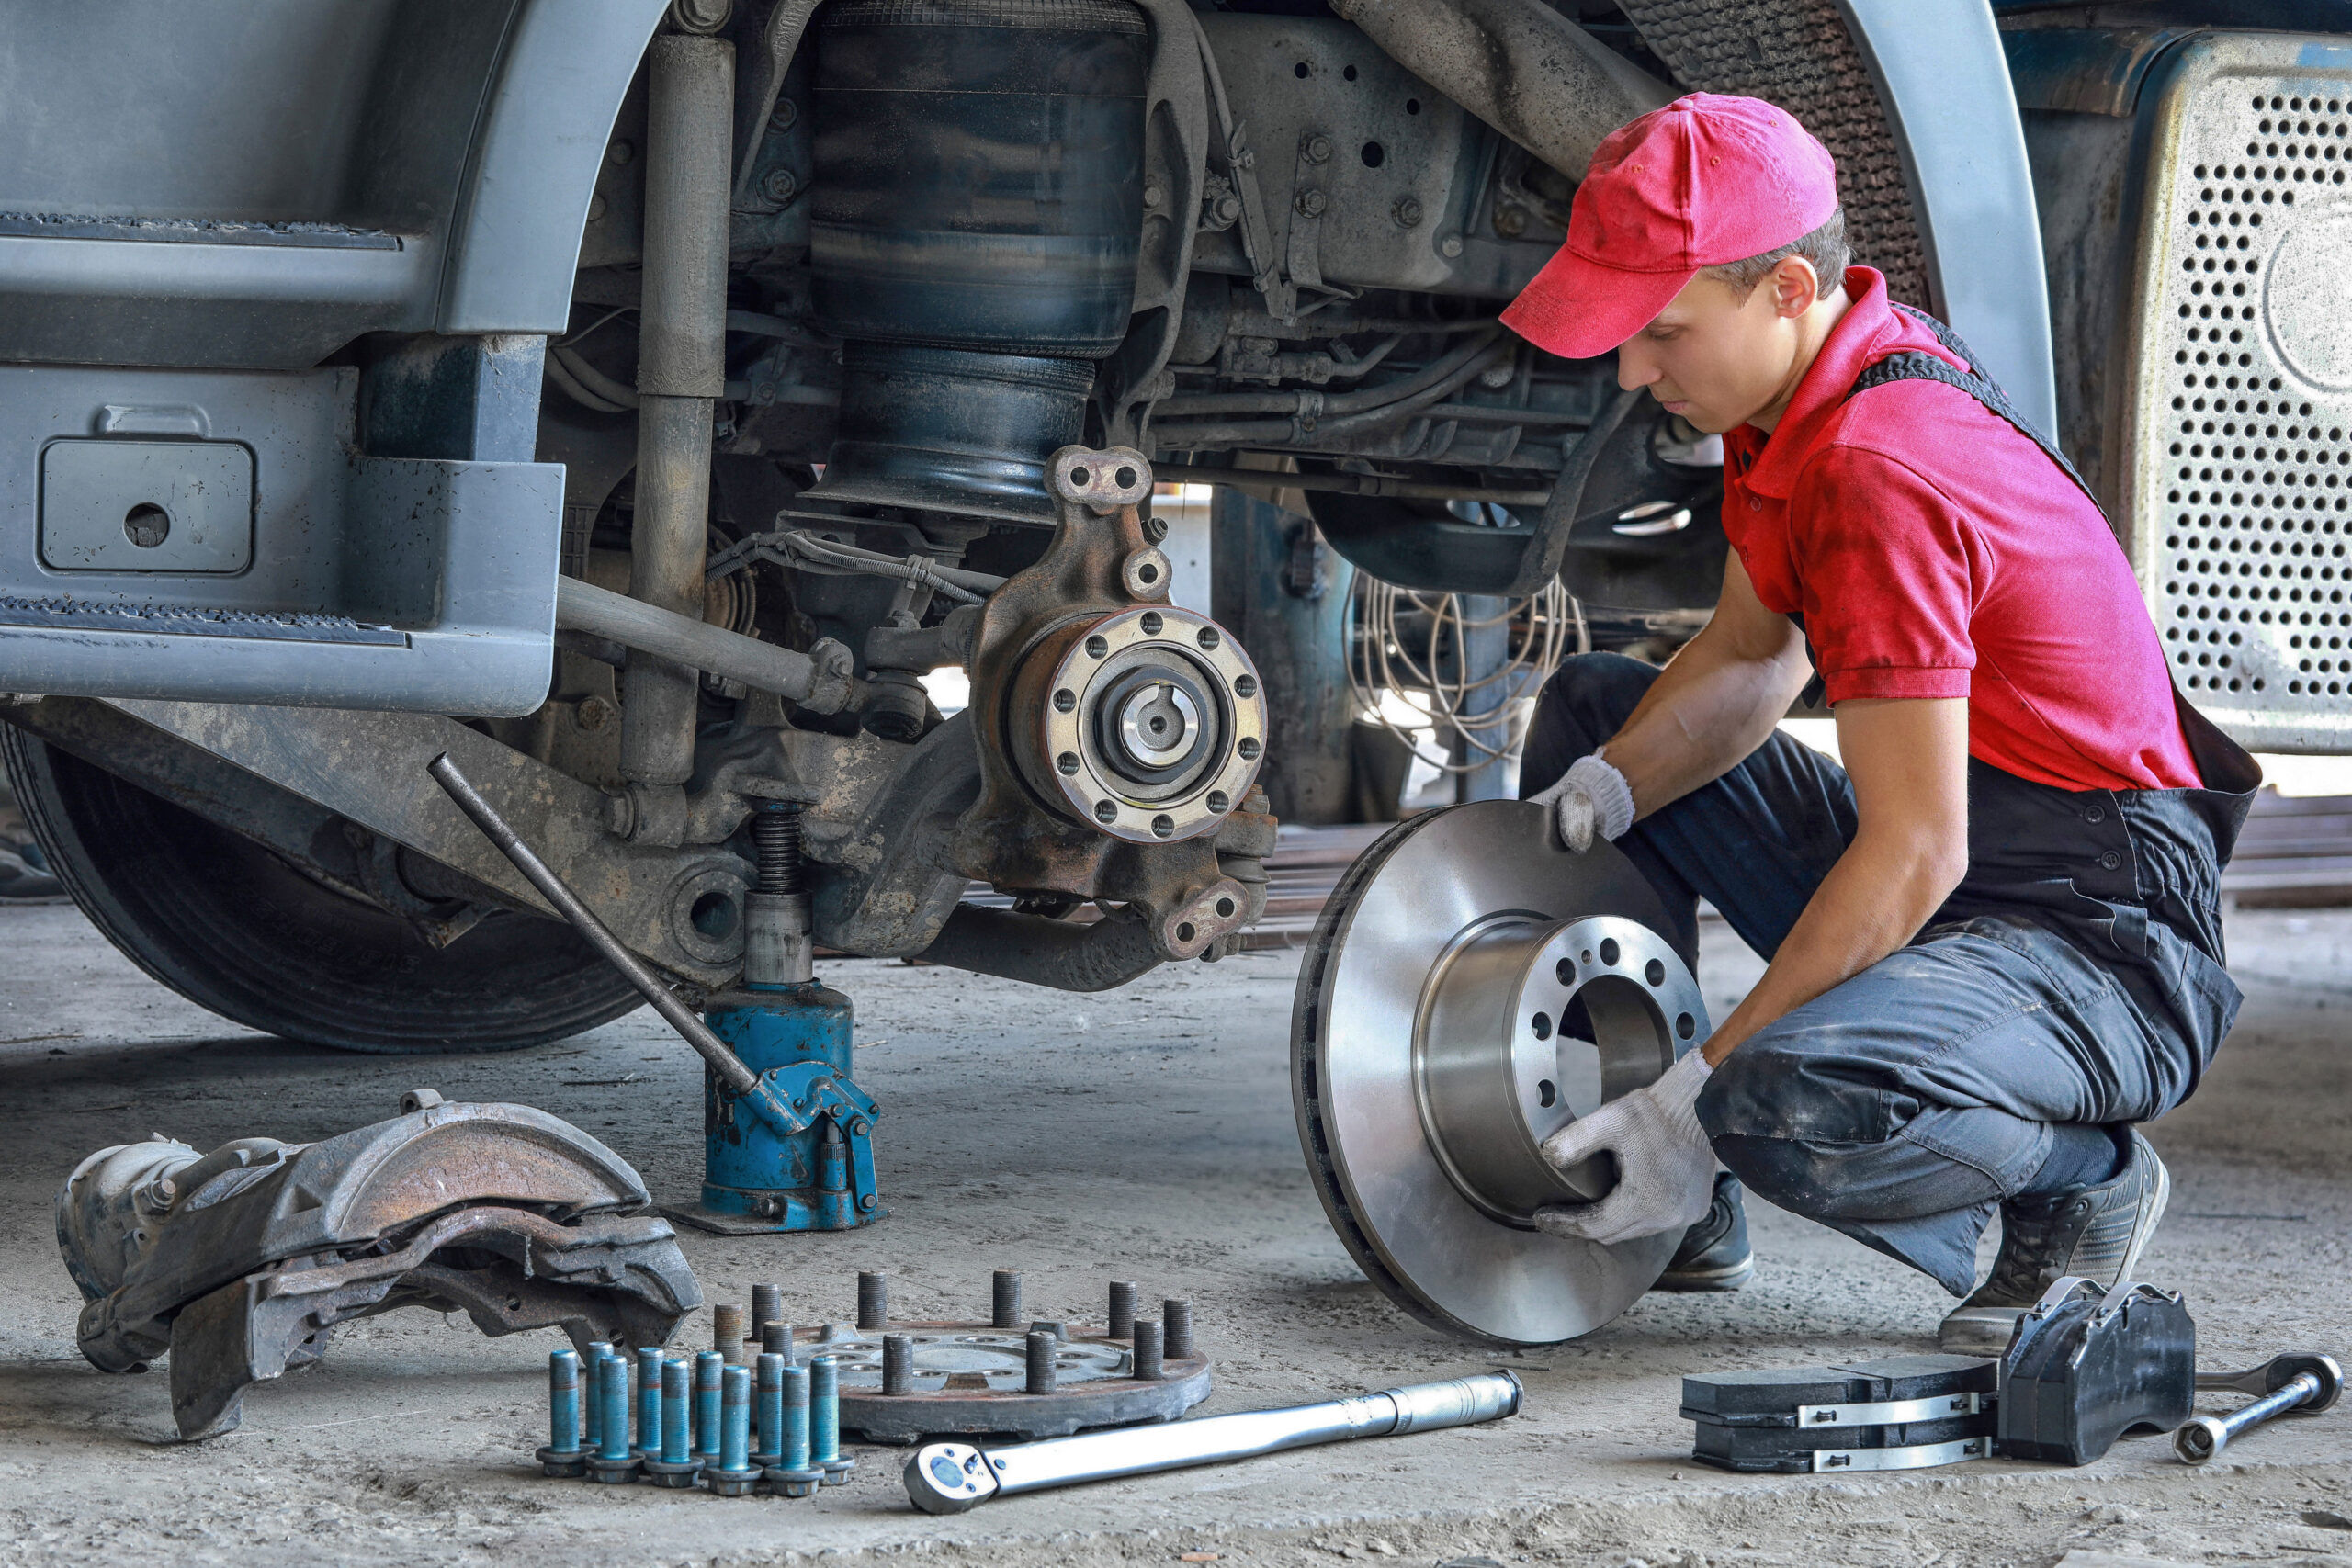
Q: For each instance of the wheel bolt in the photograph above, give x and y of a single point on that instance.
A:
(825, 1422)
(612, 1463)
(563, 1455)
(1149, 1368)
(648, 1402)
(676, 1466)
(734, 1475)
(793, 1474)
(1005, 1292)
(1176, 1319)
(1123, 1309)
(898, 1363)
(709, 1366)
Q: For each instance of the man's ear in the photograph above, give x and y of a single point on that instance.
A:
(1795, 287)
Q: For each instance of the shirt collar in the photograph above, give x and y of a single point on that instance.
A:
(1869, 330)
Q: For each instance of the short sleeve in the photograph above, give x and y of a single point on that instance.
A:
(1893, 573)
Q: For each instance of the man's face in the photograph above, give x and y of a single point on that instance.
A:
(1719, 359)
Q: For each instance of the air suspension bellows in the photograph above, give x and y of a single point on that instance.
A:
(977, 207)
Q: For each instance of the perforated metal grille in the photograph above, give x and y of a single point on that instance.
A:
(2243, 505)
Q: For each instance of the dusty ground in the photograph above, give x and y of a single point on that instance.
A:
(1145, 1134)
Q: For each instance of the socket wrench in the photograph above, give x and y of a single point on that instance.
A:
(2304, 1381)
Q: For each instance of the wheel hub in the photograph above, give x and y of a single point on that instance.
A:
(1473, 989)
(1149, 723)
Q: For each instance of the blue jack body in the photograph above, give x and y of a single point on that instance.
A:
(794, 1151)
(758, 1177)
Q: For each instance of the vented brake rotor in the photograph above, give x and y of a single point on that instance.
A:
(1471, 988)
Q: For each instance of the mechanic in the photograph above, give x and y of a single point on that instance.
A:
(1994, 936)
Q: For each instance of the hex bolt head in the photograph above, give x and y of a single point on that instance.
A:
(1176, 1329)
(1123, 1309)
(873, 1300)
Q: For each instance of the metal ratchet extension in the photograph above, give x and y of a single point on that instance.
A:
(948, 1478)
(2306, 1382)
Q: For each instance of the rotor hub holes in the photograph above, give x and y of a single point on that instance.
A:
(1529, 1024)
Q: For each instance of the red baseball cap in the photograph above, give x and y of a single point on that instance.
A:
(1707, 180)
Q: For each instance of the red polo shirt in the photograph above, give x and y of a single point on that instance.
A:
(1935, 552)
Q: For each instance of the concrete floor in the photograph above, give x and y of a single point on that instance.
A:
(1144, 1134)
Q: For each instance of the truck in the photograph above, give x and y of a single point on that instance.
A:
(639, 401)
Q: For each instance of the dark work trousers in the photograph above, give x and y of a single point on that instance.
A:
(2075, 977)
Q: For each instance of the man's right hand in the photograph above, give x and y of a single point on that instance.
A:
(1591, 798)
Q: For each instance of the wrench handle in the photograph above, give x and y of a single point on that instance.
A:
(2207, 1436)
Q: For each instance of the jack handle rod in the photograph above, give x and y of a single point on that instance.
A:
(951, 1477)
(697, 1034)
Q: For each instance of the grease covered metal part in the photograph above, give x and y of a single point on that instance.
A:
(240, 1262)
(951, 1478)
(1471, 988)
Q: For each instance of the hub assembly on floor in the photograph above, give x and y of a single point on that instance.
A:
(902, 1381)
(1471, 988)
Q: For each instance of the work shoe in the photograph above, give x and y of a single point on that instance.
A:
(21, 878)
(2096, 1232)
(1714, 1254)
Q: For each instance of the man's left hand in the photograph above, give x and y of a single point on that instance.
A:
(1665, 1169)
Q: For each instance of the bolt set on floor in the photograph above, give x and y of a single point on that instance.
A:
(768, 1412)
(700, 1415)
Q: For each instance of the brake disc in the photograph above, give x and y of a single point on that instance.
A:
(1471, 988)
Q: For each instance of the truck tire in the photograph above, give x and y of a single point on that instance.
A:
(232, 927)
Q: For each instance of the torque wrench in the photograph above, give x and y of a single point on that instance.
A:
(948, 1478)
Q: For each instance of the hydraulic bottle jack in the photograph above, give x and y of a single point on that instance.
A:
(810, 1168)
(787, 1134)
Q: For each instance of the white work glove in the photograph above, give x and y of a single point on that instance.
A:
(1591, 797)
(1665, 1169)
